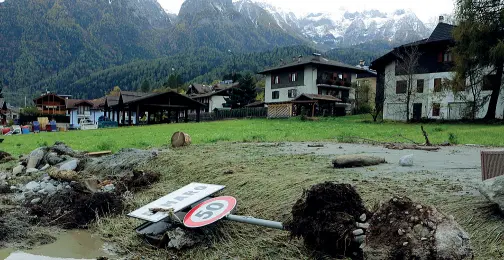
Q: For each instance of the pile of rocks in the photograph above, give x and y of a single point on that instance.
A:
(34, 191)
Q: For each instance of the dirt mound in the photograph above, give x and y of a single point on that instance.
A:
(325, 217)
(118, 164)
(402, 229)
(76, 209)
(5, 157)
(137, 180)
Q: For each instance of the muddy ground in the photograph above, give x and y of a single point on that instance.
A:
(267, 179)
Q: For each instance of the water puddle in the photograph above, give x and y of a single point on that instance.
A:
(76, 244)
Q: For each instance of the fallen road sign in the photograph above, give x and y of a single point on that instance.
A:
(209, 211)
(175, 201)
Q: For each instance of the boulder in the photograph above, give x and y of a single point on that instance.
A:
(50, 189)
(45, 167)
(400, 229)
(31, 170)
(18, 170)
(69, 165)
(36, 157)
(35, 201)
(493, 190)
(61, 148)
(52, 158)
(32, 186)
(356, 160)
(406, 160)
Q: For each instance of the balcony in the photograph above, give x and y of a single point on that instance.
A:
(333, 83)
(84, 114)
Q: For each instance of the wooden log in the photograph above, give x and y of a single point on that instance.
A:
(97, 154)
(180, 139)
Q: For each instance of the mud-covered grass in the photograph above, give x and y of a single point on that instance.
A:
(342, 129)
(268, 183)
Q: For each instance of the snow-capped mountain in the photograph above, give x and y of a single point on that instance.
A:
(341, 28)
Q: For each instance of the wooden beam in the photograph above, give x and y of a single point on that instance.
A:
(137, 116)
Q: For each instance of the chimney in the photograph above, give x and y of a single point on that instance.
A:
(441, 19)
(362, 63)
(316, 56)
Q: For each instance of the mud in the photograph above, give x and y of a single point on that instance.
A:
(325, 217)
(76, 208)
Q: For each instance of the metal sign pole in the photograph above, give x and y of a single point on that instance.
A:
(256, 221)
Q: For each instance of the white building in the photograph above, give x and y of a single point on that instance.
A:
(429, 97)
(326, 83)
(213, 97)
(79, 110)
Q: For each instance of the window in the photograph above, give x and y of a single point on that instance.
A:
(445, 56)
(276, 94)
(82, 110)
(437, 85)
(488, 82)
(436, 109)
(420, 85)
(401, 87)
(276, 79)
(293, 77)
(292, 93)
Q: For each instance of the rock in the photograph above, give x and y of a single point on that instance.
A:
(31, 170)
(59, 187)
(493, 190)
(384, 241)
(19, 198)
(69, 165)
(50, 189)
(35, 157)
(3, 176)
(46, 178)
(358, 232)
(109, 188)
(360, 239)
(68, 187)
(18, 170)
(43, 185)
(406, 161)
(363, 225)
(363, 217)
(119, 164)
(62, 149)
(182, 238)
(356, 160)
(45, 167)
(32, 186)
(229, 172)
(35, 201)
(52, 158)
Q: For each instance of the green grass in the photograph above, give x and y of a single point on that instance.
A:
(258, 130)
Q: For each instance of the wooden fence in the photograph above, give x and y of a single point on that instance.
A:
(249, 112)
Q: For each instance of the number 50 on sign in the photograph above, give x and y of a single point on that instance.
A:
(209, 211)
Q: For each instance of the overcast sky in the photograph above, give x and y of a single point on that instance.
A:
(425, 9)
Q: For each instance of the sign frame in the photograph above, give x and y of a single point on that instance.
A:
(176, 201)
(231, 205)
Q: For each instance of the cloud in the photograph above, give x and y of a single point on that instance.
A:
(425, 9)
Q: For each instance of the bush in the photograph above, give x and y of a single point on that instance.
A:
(452, 138)
(363, 109)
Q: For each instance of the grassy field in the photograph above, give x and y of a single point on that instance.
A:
(258, 130)
(267, 183)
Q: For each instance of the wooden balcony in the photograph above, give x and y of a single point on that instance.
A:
(53, 112)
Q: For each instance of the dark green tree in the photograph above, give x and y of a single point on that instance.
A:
(145, 87)
(1, 90)
(480, 43)
(244, 94)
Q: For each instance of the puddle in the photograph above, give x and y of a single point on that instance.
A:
(76, 244)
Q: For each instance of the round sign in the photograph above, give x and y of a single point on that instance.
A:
(209, 211)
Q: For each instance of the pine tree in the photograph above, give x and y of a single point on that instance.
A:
(145, 87)
(244, 94)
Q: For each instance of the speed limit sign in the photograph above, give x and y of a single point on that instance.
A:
(209, 211)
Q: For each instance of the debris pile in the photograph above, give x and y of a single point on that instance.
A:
(402, 229)
(5, 157)
(356, 160)
(326, 216)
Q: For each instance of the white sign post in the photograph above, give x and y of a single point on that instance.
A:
(176, 201)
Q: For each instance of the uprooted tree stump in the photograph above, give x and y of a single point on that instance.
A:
(325, 217)
(180, 139)
(356, 160)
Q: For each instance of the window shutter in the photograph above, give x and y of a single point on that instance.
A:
(440, 57)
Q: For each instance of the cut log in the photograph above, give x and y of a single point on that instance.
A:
(63, 175)
(356, 160)
(180, 139)
(98, 154)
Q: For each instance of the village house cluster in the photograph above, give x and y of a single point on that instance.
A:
(312, 84)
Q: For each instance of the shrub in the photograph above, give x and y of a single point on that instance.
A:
(452, 138)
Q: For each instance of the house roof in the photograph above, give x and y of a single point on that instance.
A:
(318, 97)
(94, 103)
(200, 88)
(442, 32)
(256, 104)
(218, 91)
(112, 100)
(162, 95)
(49, 94)
(312, 60)
(128, 96)
(3, 104)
